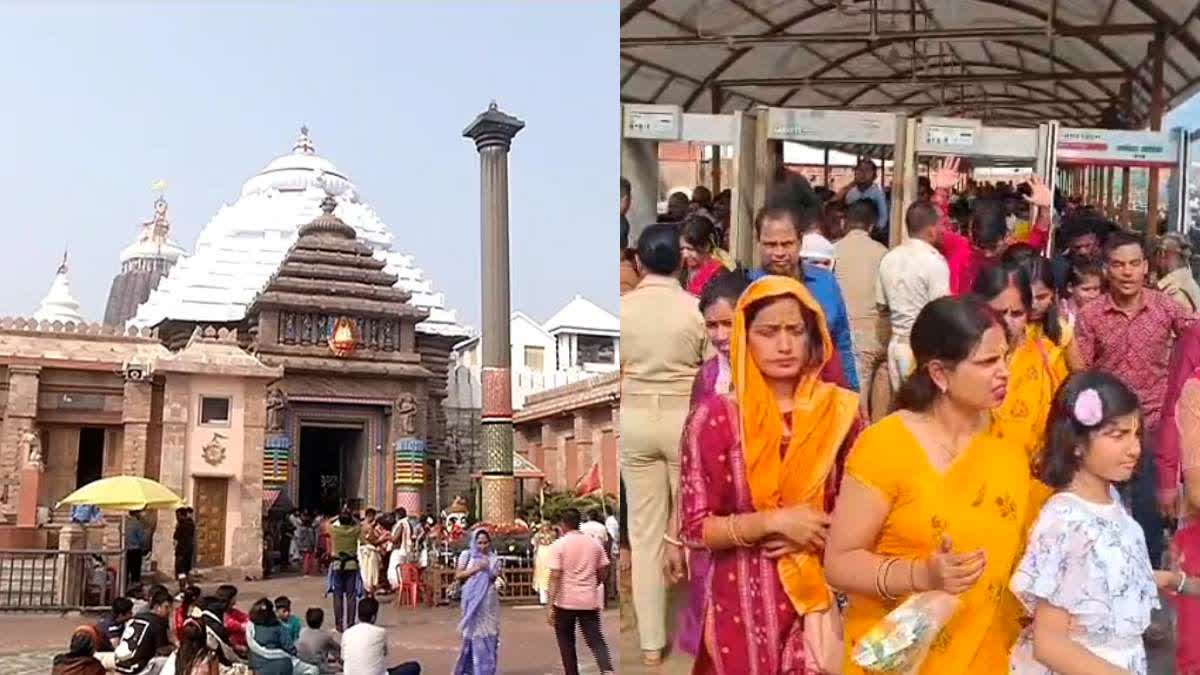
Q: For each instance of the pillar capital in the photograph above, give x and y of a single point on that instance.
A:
(493, 128)
(24, 369)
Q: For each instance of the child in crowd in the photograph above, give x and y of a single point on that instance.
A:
(1086, 577)
(187, 600)
(317, 645)
(235, 619)
(283, 610)
(1084, 283)
(306, 545)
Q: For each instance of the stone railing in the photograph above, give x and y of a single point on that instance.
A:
(29, 325)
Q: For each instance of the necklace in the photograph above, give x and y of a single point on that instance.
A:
(944, 440)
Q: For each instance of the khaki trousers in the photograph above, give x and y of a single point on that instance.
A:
(651, 429)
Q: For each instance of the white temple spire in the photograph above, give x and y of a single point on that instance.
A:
(304, 144)
(59, 304)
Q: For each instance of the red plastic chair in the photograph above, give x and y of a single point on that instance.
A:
(410, 585)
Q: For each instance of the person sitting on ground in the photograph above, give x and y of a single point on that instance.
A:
(270, 642)
(365, 646)
(137, 595)
(235, 620)
(79, 659)
(110, 627)
(283, 610)
(186, 600)
(317, 645)
(210, 610)
(194, 657)
(146, 641)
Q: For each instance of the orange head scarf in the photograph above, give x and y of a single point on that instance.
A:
(822, 415)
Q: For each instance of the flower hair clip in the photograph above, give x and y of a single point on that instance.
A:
(1088, 410)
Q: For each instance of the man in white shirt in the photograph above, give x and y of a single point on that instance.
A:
(910, 276)
(614, 533)
(365, 646)
(596, 529)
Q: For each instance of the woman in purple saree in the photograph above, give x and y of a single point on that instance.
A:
(478, 569)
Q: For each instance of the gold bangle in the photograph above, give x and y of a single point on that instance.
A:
(883, 572)
(879, 576)
(912, 575)
(735, 534)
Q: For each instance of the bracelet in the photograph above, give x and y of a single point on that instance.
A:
(736, 534)
(912, 575)
(881, 578)
(731, 530)
(1182, 583)
(671, 540)
(886, 594)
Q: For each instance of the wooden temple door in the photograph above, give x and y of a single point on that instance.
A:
(211, 496)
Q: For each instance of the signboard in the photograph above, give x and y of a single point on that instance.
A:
(652, 122)
(948, 136)
(951, 138)
(1112, 147)
(831, 126)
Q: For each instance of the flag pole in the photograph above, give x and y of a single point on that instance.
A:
(603, 500)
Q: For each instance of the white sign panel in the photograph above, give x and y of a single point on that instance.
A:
(951, 138)
(831, 126)
(653, 122)
(1111, 147)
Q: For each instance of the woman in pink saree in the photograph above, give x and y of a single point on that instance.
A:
(759, 472)
(717, 304)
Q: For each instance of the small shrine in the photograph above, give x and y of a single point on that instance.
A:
(347, 420)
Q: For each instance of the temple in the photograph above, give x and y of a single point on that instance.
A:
(59, 304)
(143, 264)
(291, 358)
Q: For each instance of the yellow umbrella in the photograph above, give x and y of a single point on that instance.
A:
(124, 493)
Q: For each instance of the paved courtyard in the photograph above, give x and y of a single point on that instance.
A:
(426, 635)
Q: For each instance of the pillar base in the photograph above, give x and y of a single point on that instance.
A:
(410, 500)
(498, 495)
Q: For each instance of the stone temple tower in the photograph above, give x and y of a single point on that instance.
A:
(143, 264)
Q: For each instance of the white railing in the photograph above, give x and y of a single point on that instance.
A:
(465, 390)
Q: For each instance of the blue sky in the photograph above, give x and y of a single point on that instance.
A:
(1187, 115)
(102, 99)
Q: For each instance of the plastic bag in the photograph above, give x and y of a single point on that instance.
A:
(899, 643)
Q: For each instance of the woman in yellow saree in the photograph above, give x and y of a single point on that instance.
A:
(1036, 364)
(931, 500)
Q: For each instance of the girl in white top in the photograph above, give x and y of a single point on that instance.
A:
(1086, 577)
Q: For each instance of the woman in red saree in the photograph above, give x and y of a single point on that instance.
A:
(759, 471)
(698, 243)
(1178, 465)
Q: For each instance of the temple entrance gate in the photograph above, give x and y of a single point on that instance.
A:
(332, 462)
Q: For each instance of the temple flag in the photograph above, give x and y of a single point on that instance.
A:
(589, 482)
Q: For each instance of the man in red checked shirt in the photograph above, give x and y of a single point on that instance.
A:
(1129, 332)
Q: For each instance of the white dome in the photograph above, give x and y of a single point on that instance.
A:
(59, 304)
(244, 243)
(300, 170)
